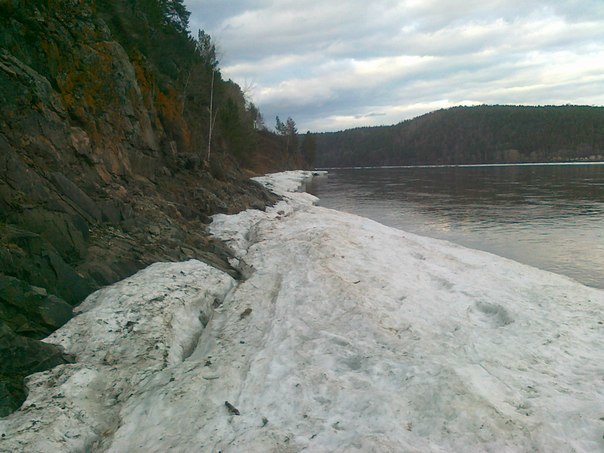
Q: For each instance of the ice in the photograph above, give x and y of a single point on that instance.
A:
(346, 335)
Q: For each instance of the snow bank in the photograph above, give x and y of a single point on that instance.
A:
(346, 336)
(127, 339)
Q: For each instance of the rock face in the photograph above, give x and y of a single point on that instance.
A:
(99, 176)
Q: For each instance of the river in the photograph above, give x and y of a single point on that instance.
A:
(550, 216)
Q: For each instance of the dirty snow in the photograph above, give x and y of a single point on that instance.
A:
(346, 335)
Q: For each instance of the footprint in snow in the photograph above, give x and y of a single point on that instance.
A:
(491, 314)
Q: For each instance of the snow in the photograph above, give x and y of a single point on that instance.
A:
(126, 339)
(346, 335)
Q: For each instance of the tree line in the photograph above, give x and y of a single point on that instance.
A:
(305, 149)
(466, 135)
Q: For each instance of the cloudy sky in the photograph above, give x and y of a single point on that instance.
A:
(333, 65)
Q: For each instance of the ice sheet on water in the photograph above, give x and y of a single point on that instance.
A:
(351, 336)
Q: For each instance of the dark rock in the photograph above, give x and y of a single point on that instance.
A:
(26, 355)
(12, 393)
(22, 185)
(78, 199)
(30, 310)
(68, 233)
(29, 257)
(22, 356)
(111, 211)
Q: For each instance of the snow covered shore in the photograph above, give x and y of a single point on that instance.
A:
(346, 335)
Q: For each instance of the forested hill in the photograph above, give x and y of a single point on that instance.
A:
(465, 135)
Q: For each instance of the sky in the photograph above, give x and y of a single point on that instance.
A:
(334, 65)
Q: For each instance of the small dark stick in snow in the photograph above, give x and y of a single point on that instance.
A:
(232, 409)
(245, 313)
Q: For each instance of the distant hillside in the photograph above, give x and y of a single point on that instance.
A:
(465, 135)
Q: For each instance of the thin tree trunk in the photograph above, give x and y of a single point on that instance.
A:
(211, 118)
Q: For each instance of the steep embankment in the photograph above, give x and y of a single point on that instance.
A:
(465, 135)
(101, 168)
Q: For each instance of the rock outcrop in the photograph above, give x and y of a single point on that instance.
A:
(100, 169)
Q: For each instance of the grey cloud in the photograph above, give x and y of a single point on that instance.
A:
(334, 64)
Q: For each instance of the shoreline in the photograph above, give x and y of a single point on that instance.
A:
(344, 334)
(547, 217)
(503, 164)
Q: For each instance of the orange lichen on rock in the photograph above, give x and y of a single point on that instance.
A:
(169, 109)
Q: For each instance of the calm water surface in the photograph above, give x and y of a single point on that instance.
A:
(548, 216)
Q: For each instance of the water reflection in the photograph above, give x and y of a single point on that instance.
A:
(551, 217)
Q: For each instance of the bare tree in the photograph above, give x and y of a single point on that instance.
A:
(212, 118)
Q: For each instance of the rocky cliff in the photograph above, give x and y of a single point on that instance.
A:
(101, 171)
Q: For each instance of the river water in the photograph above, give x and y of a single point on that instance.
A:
(548, 216)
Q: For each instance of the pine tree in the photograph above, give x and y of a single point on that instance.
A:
(309, 148)
(176, 14)
(279, 126)
(206, 49)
